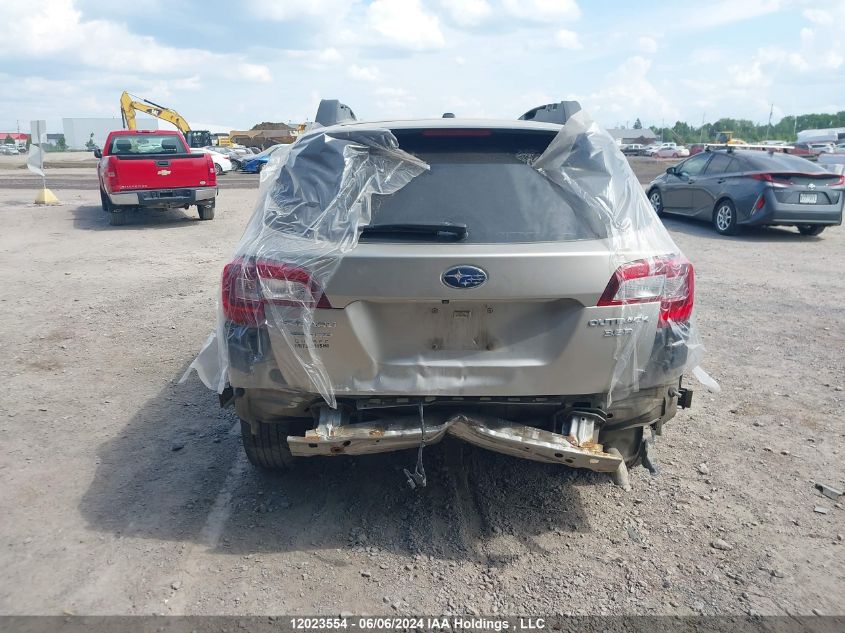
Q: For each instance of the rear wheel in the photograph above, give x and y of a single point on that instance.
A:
(117, 216)
(206, 211)
(656, 199)
(266, 444)
(810, 229)
(105, 201)
(724, 218)
(218, 169)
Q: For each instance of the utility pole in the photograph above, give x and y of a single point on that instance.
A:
(701, 132)
(769, 128)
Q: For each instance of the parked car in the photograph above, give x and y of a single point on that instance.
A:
(634, 149)
(651, 150)
(222, 164)
(811, 150)
(254, 164)
(153, 169)
(374, 306)
(736, 188)
(675, 151)
(9, 149)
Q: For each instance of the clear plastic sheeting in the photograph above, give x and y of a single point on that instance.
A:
(585, 162)
(315, 197)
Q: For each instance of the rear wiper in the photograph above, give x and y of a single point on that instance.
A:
(445, 231)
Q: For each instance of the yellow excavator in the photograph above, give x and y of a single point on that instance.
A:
(128, 105)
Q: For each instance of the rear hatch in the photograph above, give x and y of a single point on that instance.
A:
(157, 162)
(480, 277)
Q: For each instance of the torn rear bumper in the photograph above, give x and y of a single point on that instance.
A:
(487, 432)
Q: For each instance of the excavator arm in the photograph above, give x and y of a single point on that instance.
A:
(128, 105)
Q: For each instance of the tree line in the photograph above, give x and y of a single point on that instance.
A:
(784, 130)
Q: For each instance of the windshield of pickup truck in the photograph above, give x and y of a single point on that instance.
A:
(147, 144)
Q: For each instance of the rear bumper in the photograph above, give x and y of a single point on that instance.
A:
(163, 197)
(776, 212)
(487, 432)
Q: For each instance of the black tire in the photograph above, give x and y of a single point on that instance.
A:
(810, 229)
(267, 448)
(656, 200)
(206, 211)
(218, 170)
(117, 217)
(724, 218)
(259, 168)
(105, 201)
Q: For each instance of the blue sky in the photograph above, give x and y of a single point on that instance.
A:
(235, 64)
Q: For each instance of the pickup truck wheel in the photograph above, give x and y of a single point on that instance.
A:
(117, 217)
(105, 201)
(810, 229)
(218, 169)
(266, 444)
(206, 211)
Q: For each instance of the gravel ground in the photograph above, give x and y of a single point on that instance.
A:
(127, 493)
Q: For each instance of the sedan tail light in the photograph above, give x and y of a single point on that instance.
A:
(669, 280)
(250, 285)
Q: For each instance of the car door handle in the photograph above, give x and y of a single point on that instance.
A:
(690, 181)
(721, 180)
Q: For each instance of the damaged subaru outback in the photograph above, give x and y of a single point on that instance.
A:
(505, 282)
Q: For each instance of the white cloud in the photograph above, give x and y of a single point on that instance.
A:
(647, 45)
(543, 10)
(364, 73)
(629, 93)
(568, 39)
(405, 24)
(710, 14)
(55, 29)
(285, 10)
(467, 12)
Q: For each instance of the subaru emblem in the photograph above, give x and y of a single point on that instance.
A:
(464, 277)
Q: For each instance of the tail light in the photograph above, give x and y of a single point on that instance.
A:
(669, 280)
(111, 174)
(210, 164)
(250, 285)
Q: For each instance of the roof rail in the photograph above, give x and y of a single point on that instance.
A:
(332, 112)
(552, 112)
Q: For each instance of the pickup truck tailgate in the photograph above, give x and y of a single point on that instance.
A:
(162, 172)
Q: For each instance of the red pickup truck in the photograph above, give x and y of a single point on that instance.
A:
(153, 169)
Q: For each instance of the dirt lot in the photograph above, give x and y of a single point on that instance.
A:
(127, 493)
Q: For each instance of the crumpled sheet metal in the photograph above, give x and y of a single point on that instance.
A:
(501, 436)
(316, 194)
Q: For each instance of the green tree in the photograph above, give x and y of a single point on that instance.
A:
(61, 144)
(638, 125)
(9, 140)
(90, 144)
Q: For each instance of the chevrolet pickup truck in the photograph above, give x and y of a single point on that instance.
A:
(153, 169)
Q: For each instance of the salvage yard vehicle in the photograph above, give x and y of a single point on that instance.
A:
(254, 163)
(222, 163)
(153, 169)
(673, 151)
(734, 188)
(374, 304)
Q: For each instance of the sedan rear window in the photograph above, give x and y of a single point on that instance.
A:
(483, 179)
(782, 162)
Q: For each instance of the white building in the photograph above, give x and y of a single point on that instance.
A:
(79, 131)
(834, 134)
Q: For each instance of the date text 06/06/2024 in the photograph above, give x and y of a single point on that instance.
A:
(455, 623)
